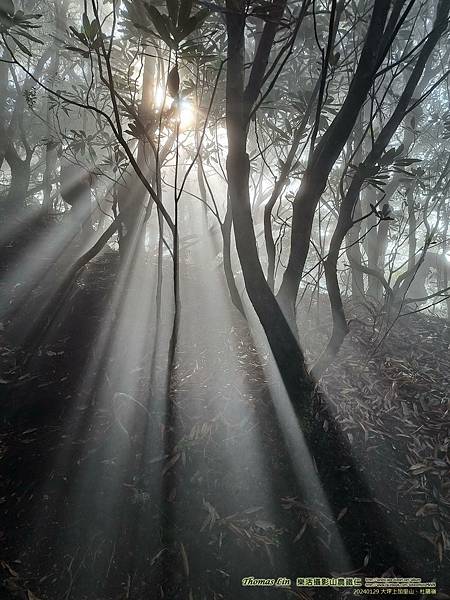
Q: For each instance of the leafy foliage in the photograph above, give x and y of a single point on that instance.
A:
(17, 24)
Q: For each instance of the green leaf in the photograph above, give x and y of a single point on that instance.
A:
(185, 12)
(86, 24)
(172, 9)
(24, 49)
(136, 13)
(406, 162)
(31, 37)
(160, 25)
(79, 35)
(7, 7)
(192, 24)
(5, 20)
(95, 28)
(388, 157)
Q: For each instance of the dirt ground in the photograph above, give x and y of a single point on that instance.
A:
(85, 467)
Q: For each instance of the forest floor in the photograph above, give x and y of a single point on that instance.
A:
(84, 464)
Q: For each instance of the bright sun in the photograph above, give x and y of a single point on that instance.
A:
(187, 114)
(187, 111)
(161, 98)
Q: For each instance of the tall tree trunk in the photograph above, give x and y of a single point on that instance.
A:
(445, 272)
(52, 144)
(355, 258)
(20, 180)
(329, 449)
(353, 242)
(286, 351)
(225, 228)
(412, 226)
(374, 287)
(326, 153)
(4, 74)
(51, 156)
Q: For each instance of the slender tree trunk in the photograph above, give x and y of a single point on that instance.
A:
(326, 153)
(355, 257)
(445, 273)
(20, 180)
(374, 287)
(49, 172)
(4, 74)
(286, 351)
(227, 264)
(353, 244)
(345, 219)
(225, 228)
(52, 144)
(133, 193)
(412, 226)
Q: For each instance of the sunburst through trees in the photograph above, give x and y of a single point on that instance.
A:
(224, 298)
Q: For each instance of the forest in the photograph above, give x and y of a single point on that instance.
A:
(224, 299)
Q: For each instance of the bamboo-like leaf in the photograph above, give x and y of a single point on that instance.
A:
(172, 9)
(160, 24)
(24, 49)
(192, 24)
(184, 13)
(342, 513)
(301, 532)
(95, 28)
(31, 37)
(185, 559)
(86, 25)
(7, 7)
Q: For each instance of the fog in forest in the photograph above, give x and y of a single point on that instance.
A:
(224, 299)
